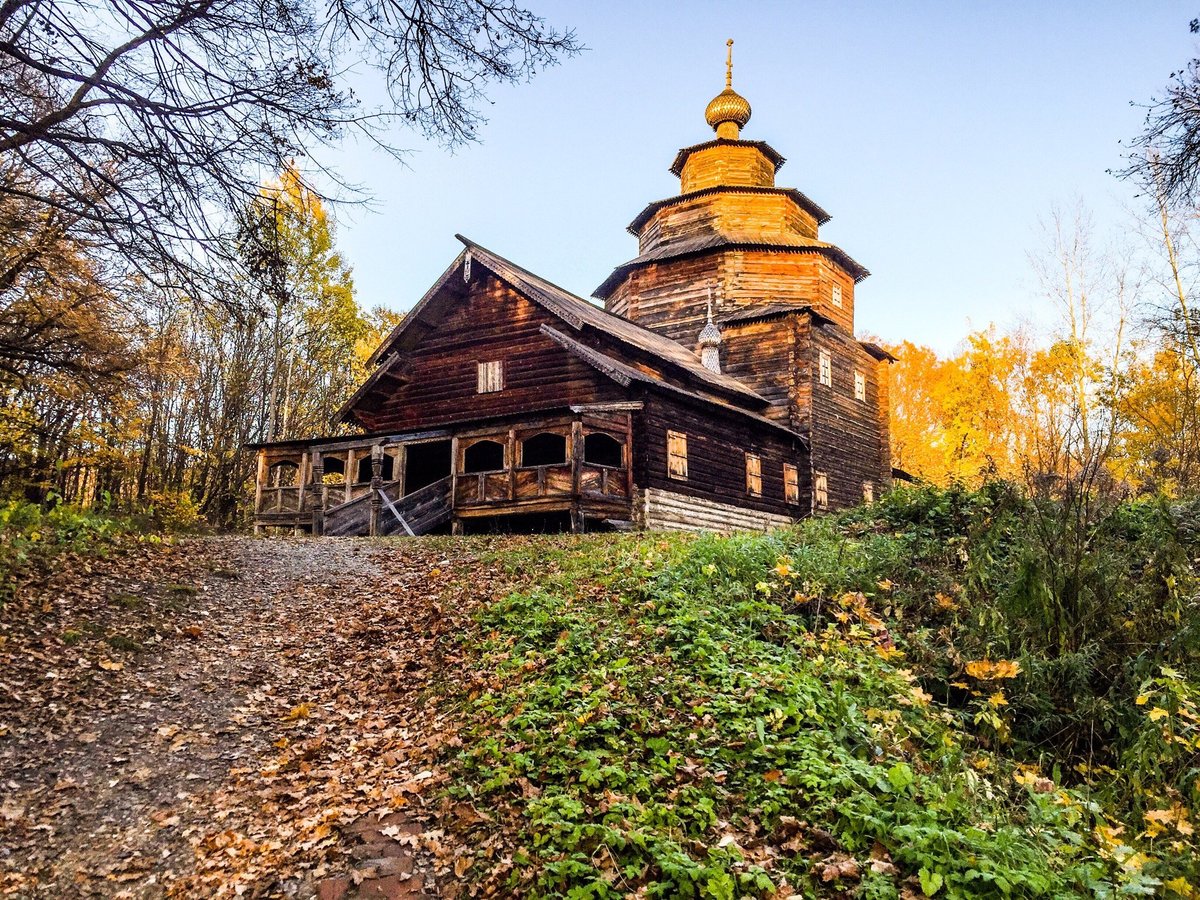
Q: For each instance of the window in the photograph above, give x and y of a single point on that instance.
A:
(868, 492)
(491, 376)
(753, 475)
(545, 449)
(677, 454)
(483, 456)
(826, 368)
(791, 483)
(837, 296)
(860, 386)
(600, 449)
(821, 490)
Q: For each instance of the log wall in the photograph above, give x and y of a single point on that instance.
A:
(725, 164)
(716, 451)
(847, 435)
(662, 510)
(491, 322)
(672, 297)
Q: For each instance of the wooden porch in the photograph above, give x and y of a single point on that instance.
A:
(575, 466)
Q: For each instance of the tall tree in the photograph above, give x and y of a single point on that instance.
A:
(137, 126)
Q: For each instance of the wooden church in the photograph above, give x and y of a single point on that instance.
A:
(720, 387)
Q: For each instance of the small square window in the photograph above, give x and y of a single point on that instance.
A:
(860, 386)
(753, 475)
(821, 490)
(868, 492)
(491, 377)
(826, 368)
(837, 296)
(677, 455)
(791, 483)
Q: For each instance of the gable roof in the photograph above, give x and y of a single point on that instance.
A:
(579, 314)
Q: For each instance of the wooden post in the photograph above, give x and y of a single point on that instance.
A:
(456, 526)
(376, 487)
(350, 476)
(318, 493)
(400, 469)
(258, 489)
(627, 456)
(303, 475)
(511, 452)
(576, 475)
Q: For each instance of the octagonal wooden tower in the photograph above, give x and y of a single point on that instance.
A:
(784, 299)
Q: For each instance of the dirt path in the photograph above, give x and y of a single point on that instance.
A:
(230, 716)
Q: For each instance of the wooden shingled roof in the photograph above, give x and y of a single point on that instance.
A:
(625, 375)
(673, 250)
(801, 200)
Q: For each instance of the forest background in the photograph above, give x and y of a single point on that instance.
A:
(159, 310)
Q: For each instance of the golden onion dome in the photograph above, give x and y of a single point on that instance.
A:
(727, 106)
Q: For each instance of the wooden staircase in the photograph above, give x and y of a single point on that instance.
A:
(421, 511)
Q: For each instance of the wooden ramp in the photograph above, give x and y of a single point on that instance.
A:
(417, 513)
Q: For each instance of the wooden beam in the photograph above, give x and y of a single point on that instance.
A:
(258, 489)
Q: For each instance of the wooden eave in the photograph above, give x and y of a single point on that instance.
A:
(799, 198)
(384, 372)
(415, 318)
(626, 375)
(718, 243)
(766, 149)
(878, 352)
(758, 313)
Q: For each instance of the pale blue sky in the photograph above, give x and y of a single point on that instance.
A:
(936, 134)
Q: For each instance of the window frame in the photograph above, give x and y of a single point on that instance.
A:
(754, 486)
(791, 484)
(868, 489)
(825, 367)
(677, 462)
(820, 490)
(835, 296)
(860, 385)
(489, 376)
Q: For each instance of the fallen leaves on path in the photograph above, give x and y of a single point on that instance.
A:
(267, 701)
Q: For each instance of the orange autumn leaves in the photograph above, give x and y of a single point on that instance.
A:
(1000, 407)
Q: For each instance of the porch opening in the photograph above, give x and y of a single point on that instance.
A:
(387, 469)
(283, 474)
(334, 469)
(601, 449)
(483, 456)
(425, 463)
(545, 449)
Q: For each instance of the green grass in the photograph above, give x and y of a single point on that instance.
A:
(739, 717)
